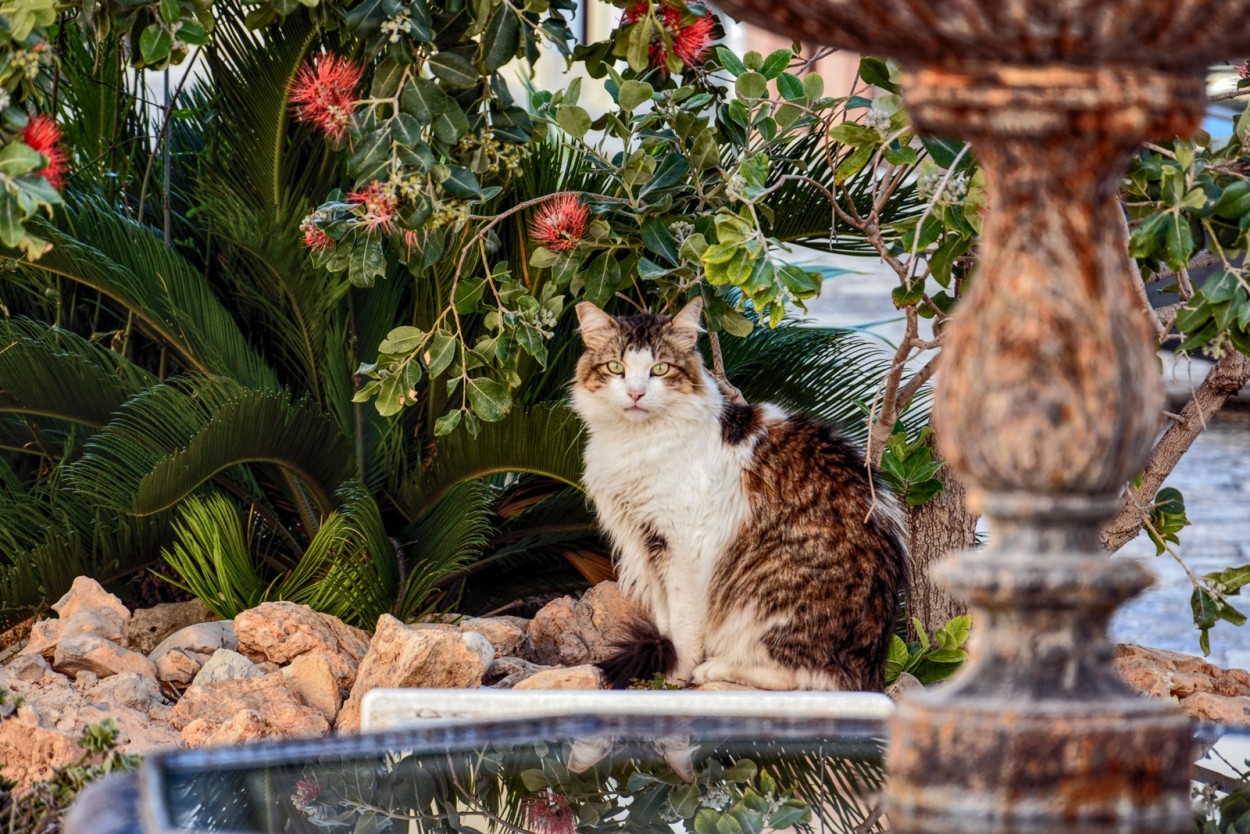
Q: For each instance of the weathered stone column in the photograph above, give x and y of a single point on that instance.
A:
(1048, 397)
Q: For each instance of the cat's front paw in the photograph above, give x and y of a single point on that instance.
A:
(723, 672)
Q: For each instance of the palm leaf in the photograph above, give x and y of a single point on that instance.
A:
(167, 441)
(211, 555)
(55, 373)
(542, 440)
(349, 569)
(251, 77)
(827, 373)
(446, 536)
(129, 263)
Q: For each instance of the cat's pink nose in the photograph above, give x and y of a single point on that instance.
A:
(637, 395)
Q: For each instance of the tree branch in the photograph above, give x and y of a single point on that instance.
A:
(1228, 377)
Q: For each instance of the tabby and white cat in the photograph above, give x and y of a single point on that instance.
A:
(751, 536)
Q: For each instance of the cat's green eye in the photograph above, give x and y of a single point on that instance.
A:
(659, 369)
(616, 368)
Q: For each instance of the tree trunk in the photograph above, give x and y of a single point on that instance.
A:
(942, 525)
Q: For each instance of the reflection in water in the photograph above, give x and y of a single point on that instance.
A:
(597, 783)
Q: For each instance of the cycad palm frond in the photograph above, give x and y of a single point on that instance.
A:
(170, 439)
(52, 372)
(170, 298)
(252, 75)
(441, 540)
(824, 372)
(541, 440)
(800, 211)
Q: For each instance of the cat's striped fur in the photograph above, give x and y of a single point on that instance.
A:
(751, 536)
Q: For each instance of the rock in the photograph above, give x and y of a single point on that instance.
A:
(179, 656)
(86, 608)
(127, 689)
(93, 653)
(904, 685)
(569, 632)
(211, 713)
(1221, 709)
(150, 626)
(403, 656)
(282, 631)
(1161, 673)
(506, 637)
(311, 678)
(226, 665)
(178, 668)
(27, 668)
(31, 752)
(578, 677)
(507, 672)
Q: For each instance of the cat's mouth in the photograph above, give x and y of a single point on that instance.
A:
(637, 411)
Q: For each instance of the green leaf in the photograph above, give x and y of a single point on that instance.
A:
(454, 70)
(423, 100)
(877, 73)
(776, 63)
(468, 294)
(17, 158)
(154, 43)
(461, 182)
(790, 86)
(169, 11)
(402, 340)
(1221, 286)
(944, 151)
(638, 45)
(659, 240)
(489, 399)
(633, 94)
(751, 85)
(788, 816)
(441, 351)
(1234, 202)
(11, 229)
(1146, 238)
(602, 277)
(813, 86)
(1178, 243)
(502, 38)
(730, 61)
(573, 120)
(367, 262)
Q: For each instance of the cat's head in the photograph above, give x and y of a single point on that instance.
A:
(638, 368)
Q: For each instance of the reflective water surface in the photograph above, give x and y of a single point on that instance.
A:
(547, 776)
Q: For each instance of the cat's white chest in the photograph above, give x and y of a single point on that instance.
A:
(676, 487)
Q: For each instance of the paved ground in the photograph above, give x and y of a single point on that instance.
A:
(1214, 477)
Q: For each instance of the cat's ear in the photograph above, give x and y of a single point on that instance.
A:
(597, 326)
(688, 323)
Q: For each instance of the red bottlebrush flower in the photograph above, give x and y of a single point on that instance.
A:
(1243, 69)
(550, 813)
(43, 135)
(692, 42)
(560, 223)
(380, 206)
(324, 93)
(314, 237)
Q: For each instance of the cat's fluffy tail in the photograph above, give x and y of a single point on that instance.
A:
(642, 652)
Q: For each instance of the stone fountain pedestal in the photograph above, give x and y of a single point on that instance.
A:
(1049, 396)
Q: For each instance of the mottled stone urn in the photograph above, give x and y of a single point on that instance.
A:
(1048, 395)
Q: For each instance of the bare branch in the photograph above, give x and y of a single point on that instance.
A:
(1226, 378)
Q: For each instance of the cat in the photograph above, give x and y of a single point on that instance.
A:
(751, 537)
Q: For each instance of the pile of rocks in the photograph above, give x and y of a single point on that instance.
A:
(1205, 691)
(172, 677)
